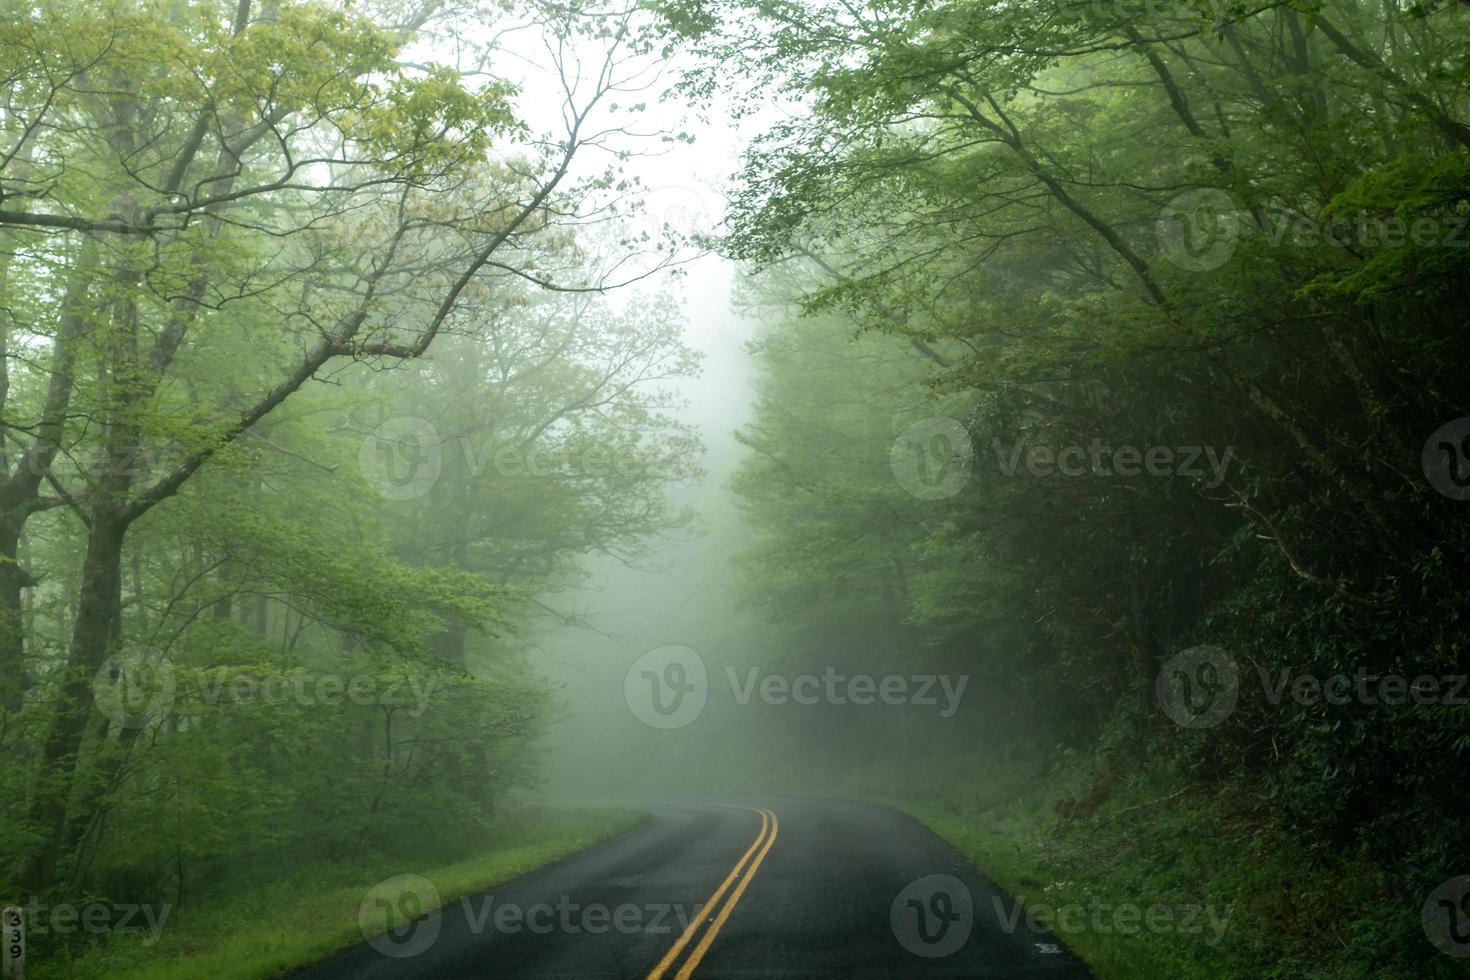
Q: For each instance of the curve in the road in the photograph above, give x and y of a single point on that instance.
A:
(778, 889)
(715, 915)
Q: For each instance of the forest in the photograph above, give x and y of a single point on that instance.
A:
(1101, 360)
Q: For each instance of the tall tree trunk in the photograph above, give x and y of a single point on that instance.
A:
(91, 638)
(21, 482)
(14, 679)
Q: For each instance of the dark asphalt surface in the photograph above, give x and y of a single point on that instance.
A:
(846, 891)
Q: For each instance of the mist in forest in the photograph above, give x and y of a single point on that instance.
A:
(683, 595)
(916, 487)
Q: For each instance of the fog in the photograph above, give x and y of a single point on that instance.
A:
(833, 489)
(685, 595)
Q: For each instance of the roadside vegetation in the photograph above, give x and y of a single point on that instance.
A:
(266, 922)
(1101, 365)
(1109, 368)
(314, 402)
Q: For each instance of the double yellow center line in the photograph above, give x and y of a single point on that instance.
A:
(712, 912)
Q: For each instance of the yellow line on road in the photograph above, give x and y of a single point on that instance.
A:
(709, 907)
(714, 929)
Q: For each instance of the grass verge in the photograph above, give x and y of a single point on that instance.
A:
(1168, 880)
(313, 911)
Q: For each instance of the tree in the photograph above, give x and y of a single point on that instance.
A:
(1109, 231)
(282, 175)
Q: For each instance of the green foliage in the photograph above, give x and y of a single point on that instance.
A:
(288, 912)
(1118, 226)
(229, 639)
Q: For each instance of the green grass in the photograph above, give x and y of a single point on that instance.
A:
(313, 911)
(1168, 845)
(1155, 861)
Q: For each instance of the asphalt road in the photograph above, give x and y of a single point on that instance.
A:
(780, 889)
